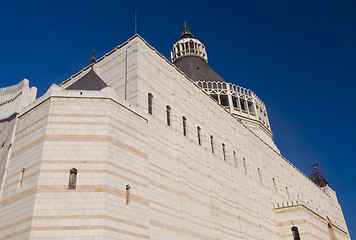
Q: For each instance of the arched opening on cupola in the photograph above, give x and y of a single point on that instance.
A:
(251, 107)
(215, 96)
(224, 100)
(243, 104)
(235, 101)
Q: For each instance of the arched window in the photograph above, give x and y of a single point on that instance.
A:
(295, 233)
(72, 179)
(198, 132)
(150, 103)
(245, 166)
(184, 126)
(287, 192)
(22, 176)
(128, 187)
(212, 143)
(224, 153)
(168, 110)
(274, 185)
(259, 175)
(235, 160)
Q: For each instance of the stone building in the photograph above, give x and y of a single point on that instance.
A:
(139, 147)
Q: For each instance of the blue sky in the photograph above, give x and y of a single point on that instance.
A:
(299, 57)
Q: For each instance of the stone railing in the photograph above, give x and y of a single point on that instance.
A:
(10, 98)
(233, 88)
(13, 97)
(238, 100)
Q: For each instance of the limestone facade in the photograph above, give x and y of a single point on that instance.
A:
(138, 177)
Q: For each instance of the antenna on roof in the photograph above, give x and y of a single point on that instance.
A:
(317, 177)
(92, 58)
(135, 22)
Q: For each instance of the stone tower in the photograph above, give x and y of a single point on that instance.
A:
(190, 56)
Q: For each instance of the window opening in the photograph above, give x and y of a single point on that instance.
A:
(184, 126)
(274, 185)
(212, 143)
(235, 102)
(235, 160)
(242, 104)
(128, 187)
(245, 167)
(224, 154)
(168, 110)
(198, 132)
(22, 176)
(259, 175)
(215, 96)
(251, 108)
(224, 100)
(72, 179)
(287, 192)
(295, 233)
(150, 102)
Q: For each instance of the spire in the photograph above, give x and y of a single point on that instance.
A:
(92, 58)
(90, 81)
(186, 32)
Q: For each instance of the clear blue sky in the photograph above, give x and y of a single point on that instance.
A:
(298, 56)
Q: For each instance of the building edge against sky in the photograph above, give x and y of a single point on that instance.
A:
(136, 147)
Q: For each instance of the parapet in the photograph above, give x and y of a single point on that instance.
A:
(241, 102)
(13, 98)
(188, 47)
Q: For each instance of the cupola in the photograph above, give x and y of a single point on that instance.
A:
(188, 46)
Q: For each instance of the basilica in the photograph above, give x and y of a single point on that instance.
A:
(136, 146)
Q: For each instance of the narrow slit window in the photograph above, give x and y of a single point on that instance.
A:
(184, 126)
(168, 110)
(72, 179)
(274, 184)
(198, 132)
(22, 176)
(224, 153)
(128, 187)
(150, 102)
(295, 233)
(235, 160)
(287, 192)
(259, 175)
(212, 143)
(245, 167)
